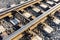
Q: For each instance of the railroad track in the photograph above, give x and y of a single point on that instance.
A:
(33, 20)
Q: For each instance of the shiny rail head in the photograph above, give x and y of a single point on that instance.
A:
(20, 19)
(53, 9)
(6, 10)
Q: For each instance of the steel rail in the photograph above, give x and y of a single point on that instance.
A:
(16, 7)
(23, 28)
